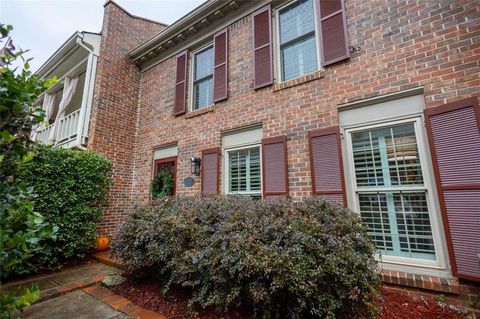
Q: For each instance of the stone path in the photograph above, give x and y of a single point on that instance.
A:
(77, 304)
(77, 293)
(56, 284)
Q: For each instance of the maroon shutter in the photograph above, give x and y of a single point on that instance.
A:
(326, 164)
(454, 136)
(210, 171)
(220, 75)
(333, 31)
(274, 166)
(262, 47)
(181, 83)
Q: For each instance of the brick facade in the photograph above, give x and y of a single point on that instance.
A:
(398, 45)
(114, 112)
(402, 45)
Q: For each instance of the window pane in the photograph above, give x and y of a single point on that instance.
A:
(203, 78)
(374, 212)
(387, 157)
(296, 20)
(413, 222)
(203, 63)
(299, 58)
(203, 93)
(255, 174)
(244, 171)
(398, 223)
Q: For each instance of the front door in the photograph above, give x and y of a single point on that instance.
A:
(166, 168)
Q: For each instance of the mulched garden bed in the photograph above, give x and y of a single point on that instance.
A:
(395, 305)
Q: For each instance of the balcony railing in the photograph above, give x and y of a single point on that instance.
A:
(43, 134)
(66, 131)
(68, 127)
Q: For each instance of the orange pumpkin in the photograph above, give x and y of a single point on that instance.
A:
(102, 243)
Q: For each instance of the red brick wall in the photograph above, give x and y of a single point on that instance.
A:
(114, 114)
(403, 44)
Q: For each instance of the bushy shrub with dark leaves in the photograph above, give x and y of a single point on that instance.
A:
(309, 259)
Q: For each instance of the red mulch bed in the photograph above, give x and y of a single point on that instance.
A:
(147, 295)
(395, 305)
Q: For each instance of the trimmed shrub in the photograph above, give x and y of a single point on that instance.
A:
(280, 258)
(70, 188)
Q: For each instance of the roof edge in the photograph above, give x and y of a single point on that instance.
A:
(185, 20)
(66, 46)
(133, 15)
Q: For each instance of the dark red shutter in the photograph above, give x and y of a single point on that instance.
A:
(181, 83)
(454, 136)
(333, 31)
(262, 47)
(220, 71)
(274, 166)
(326, 164)
(210, 171)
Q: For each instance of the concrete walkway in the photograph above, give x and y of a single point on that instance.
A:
(77, 304)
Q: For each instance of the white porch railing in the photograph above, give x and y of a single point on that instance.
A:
(43, 134)
(68, 127)
(66, 130)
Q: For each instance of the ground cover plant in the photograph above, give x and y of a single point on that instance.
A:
(309, 259)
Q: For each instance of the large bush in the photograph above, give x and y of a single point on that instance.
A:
(70, 188)
(282, 259)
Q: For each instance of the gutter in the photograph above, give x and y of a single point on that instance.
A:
(87, 98)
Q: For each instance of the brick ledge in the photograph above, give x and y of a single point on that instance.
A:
(54, 292)
(121, 304)
(294, 82)
(444, 285)
(201, 111)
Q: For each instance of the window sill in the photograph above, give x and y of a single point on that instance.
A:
(201, 111)
(439, 284)
(297, 81)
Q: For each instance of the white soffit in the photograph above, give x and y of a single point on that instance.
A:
(165, 152)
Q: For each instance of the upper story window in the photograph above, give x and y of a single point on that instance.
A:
(297, 39)
(202, 94)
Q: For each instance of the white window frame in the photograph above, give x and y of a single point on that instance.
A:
(191, 76)
(226, 157)
(433, 209)
(276, 44)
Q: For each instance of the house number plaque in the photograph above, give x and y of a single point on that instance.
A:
(188, 182)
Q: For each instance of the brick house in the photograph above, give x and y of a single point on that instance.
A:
(373, 104)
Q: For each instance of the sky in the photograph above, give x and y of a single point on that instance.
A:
(42, 26)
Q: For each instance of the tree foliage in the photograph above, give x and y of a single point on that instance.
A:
(22, 229)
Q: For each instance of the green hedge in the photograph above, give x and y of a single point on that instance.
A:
(310, 259)
(70, 187)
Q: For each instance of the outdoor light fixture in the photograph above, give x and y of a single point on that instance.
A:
(195, 165)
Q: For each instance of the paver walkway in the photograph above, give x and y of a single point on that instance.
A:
(76, 293)
(56, 284)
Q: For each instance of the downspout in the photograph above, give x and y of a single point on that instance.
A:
(87, 97)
